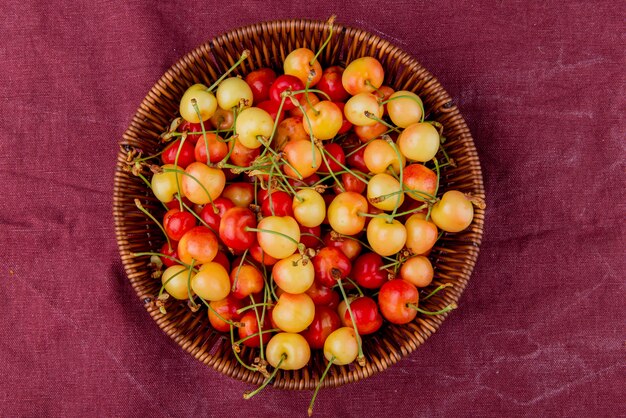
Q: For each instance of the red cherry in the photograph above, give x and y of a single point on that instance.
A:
(165, 249)
(367, 273)
(334, 300)
(308, 240)
(194, 127)
(307, 181)
(227, 308)
(213, 219)
(337, 153)
(220, 258)
(394, 298)
(232, 229)
(218, 148)
(174, 204)
(283, 83)
(351, 183)
(177, 223)
(330, 83)
(324, 323)
(366, 315)
(331, 265)
(242, 155)
(271, 107)
(185, 157)
(278, 201)
(251, 327)
(320, 294)
(260, 82)
(346, 125)
(260, 256)
(357, 160)
(351, 248)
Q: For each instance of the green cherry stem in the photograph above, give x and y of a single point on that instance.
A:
(324, 153)
(439, 312)
(260, 327)
(241, 59)
(149, 215)
(346, 168)
(356, 286)
(437, 290)
(249, 395)
(216, 313)
(382, 122)
(206, 142)
(161, 255)
(254, 305)
(330, 22)
(236, 353)
(275, 127)
(236, 279)
(167, 281)
(361, 357)
(269, 231)
(319, 385)
(257, 334)
(193, 302)
(395, 148)
(294, 92)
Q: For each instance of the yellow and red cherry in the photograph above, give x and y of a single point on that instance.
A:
(285, 83)
(309, 208)
(307, 101)
(212, 219)
(233, 229)
(421, 234)
(419, 142)
(259, 255)
(174, 279)
(368, 272)
(260, 82)
(204, 100)
(226, 309)
(164, 184)
(240, 193)
(288, 351)
(454, 212)
(202, 184)
(199, 244)
(367, 133)
(250, 328)
(218, 148)
(290, 129)
(351, 183)
(397, 300)
(350, 247)
(384, 192)
(185, 155)
(251, 124)
(323, 120)
(367, 318)
(278, 236)
(301, 63)
(380, 156)
(324, 323)
(211, 282)
(293, 313)
(331, 265)
(233, 92)
(222, 119)
(246, 279)
(359, 109)
(418, 271)
(386, 238)
(343, 213)
(176, 223)
(293, 274)
(303, 156)
(241, 155)
(363, 75)
(404, 108)
(419, 178)
(330, 83)
(341, 346)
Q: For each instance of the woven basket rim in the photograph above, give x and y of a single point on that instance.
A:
(131, 265)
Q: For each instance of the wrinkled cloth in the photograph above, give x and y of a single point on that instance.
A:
(540, 328)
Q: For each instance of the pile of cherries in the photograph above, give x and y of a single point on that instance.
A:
(300, 208)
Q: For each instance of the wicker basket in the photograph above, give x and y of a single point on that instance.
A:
(453, 257)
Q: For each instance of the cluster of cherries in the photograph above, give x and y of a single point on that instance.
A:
(300, 208)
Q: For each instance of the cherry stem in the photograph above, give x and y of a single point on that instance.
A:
(268, 148)
(180, 146)
(361, 357)
(395, 148)
(216, 313)
(271, 286)
(250, 229)
(424, 206)
(439, 312)
(306, 96)
(193, 212)
(149, 215)
(193, 302)
(319, 385)
(241, 59)
(216, 131)
(249, 395)
(369, 84)
(149, 157)
(346, 168)
(308, 234)
(353, 283)
(260, 327)
(418, 101)
(331, 20)
(206, 142)
(324, 153)
(294, 92)
(438, 175)
(161, 255)
(145, 180)
(437, 290)
(239, 360)
(363, 145)
(275, 127)
(382, 122)
(254, 305)
(256, 334)
(236, 279)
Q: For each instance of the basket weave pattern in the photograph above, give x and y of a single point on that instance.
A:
(453, 256)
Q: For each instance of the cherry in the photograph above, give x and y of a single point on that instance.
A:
(171, 252)
(287, 351)
(175, 204)
(331, 265)
(350, 247)
(260, 82)
(367, 271)
(366, 315)
(192, 128)
(174, 280)
(250, 326)
(233, 230)
(212, 219)
(356, 159)
(351, 183)
(240, 193)
(218, 149)
(309, 236)
(241, 155)
(272, 107)
(277, 203)
(394, 299)
(177, 223)
(345, 125)
(324, 323)
(199, 244)
(220, 258)
(260, 256)
(336, 151)
(226, 309)
(320, 294)
(330, 83)
(185, 155)
(283, 83)
(245, 280)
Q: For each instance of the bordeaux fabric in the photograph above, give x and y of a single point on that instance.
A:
(540, 328)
